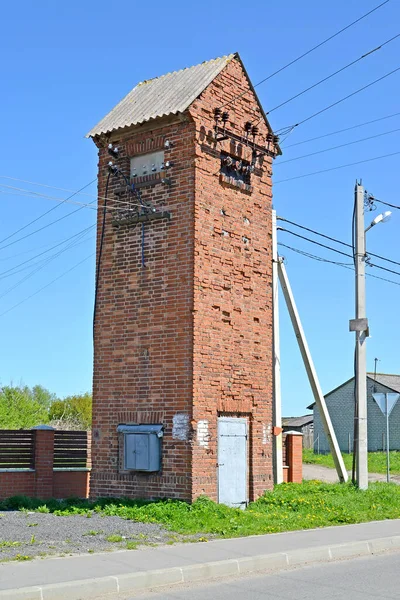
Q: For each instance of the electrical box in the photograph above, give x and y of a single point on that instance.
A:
(147, 164)
(142, 447)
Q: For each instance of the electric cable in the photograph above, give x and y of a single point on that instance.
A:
(103, 227)
(315, 242)
(322, 110)
(332, 239)
(359, 162)
(47, 285)
(47, 212)
(292, 62)
(335, 250)
(13, 270)
(343, 265)
(319, 137)
(311, 87)
(39, 268)
(339, 147)
(385, 203)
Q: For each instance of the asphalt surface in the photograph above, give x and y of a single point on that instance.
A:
(330, 476)
(371, 578)
(30, 534)
(90, 575)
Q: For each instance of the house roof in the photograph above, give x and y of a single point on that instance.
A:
(169, 94)
(297, 421)
(390, 381)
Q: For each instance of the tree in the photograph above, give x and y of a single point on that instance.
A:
(21, 409)
(74, 412)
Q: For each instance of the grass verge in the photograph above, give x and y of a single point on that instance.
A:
(376, 461)
(288, 507)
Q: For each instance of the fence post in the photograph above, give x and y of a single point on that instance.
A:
(294, 456)
(44, 460)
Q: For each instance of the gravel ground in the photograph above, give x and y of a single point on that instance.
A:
(25, 535)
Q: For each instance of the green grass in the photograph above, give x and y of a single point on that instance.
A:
(114, 538)
(376, 461)
(288, 507)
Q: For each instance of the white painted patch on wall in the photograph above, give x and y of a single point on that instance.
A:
(202, 433)
(266, 438)
(180, 426)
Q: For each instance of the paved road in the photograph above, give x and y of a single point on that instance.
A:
(372, 578)
(330, 475)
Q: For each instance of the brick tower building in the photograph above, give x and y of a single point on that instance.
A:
(182, 394)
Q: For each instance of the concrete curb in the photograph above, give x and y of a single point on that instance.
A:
(92, 588)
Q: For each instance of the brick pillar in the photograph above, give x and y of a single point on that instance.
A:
(294, 456)
(44, 459)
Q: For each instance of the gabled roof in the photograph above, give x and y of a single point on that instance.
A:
(169, 94)
(297, 421)
(388, 380)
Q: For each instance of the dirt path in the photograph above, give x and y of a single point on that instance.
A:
(330, 476)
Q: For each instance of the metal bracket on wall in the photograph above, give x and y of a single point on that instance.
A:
(143, 218)
(222, 134)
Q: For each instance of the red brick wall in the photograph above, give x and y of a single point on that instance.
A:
(14, 483)
(294, 457)
(143, 334)
(191, 333)
(44, 482)
(232, 359)
(70, 484)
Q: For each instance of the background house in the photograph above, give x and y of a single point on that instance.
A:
(340, 403)
(304, 425)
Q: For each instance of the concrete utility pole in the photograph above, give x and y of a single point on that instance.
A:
(362, 333)
(311, 372)
(277, 406)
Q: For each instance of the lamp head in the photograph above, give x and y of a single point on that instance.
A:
(382, 218)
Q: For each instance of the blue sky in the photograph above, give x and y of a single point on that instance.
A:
(64, 65)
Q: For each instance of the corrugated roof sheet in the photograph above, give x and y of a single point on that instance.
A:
(169, 94)
(390, 381)
(297, 421)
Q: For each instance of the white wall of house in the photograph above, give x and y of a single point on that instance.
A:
(340, 405)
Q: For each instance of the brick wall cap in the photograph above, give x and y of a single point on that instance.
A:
(293, 433)
(44, 427)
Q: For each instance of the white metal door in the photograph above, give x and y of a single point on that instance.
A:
(232, 461)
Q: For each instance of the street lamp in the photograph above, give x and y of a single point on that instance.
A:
(360, 326)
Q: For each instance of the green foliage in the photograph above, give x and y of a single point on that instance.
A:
(287, 508)
(73, 409)
(376, 461)
(22, 407)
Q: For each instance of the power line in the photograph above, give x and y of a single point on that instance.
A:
(359, 162)
(47, 285)
(13, 270)
(25, 192)
(315, 242)
(47, 212)
(311, 87)
(343, 265)
(42, 266)
(385, 203)
(292, 62)
(335, 250)
(319, 137)
(344, 98)
(340, 146)
(335, 240)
